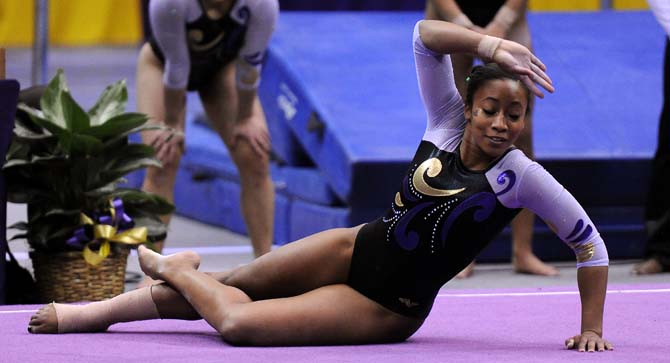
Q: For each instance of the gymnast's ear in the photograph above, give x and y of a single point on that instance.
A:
(467, 113)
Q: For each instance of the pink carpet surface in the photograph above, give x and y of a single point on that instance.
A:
(500, 325)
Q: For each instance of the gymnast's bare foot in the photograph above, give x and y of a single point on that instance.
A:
(648, 267)
(467, 271)
(156, 265)
(44, 321)
(529, 264)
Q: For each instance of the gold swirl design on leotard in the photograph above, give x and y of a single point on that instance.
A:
(197, 36)
(432, 168)
(585, 252)
(398, 200)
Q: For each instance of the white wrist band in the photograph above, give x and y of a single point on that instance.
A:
(487, 47)
(506, 17)
(463, 20)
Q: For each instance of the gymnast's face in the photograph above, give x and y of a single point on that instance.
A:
(496, 116)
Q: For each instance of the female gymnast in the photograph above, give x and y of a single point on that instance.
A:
(376, 283)
(214, 47)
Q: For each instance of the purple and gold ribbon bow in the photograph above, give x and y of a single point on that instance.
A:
(115, 227)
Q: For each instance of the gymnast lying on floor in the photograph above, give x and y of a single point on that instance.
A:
(376, 283)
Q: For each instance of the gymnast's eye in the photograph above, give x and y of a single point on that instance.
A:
(514, 117)
(489, 112)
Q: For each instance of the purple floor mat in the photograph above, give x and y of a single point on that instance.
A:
(520, 325)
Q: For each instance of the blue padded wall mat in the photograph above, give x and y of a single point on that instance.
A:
(353, 73)
(217, 201)
(279, 104)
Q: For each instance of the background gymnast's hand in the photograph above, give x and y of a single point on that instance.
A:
(516, 58)
(168, 143)
(588, 341)
(255, 132)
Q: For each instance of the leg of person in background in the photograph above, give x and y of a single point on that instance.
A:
(257, 195)
(523, 258)
(657, 213)
(150, 101)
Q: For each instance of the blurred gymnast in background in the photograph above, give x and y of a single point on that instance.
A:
(214, 47)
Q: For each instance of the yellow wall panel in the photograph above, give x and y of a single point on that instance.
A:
(630, 4)
(16, 23)
(73, 22)
(564, 5)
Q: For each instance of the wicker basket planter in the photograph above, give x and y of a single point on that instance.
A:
(68, 165)
(66, 277)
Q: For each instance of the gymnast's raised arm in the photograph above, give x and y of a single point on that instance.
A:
(446, 38)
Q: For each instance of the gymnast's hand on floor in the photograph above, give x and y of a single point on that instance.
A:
(255, 132)
(517, 59)
(168, 143)
(588, 341)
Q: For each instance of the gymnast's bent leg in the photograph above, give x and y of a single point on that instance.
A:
(332, 314)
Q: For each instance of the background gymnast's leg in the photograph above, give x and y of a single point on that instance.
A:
(220, 100)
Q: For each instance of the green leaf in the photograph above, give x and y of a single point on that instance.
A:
(117, 125)
(104, 190)
(19, 236)
(51, 104)
(40, 118)
(21, 226)
(123, 154)
(16, 162)
(74, 117)
(27, 133)
(143, 202)
(132, 165)
(123, 136)
(63, 212)
(155, 227)
(76, 144)
(111, 103)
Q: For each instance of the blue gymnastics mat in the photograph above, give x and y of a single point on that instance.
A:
(340, 95)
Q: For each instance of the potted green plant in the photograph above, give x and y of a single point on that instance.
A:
(68, 166)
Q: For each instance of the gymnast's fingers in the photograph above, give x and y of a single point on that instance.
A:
(536, 61)
(258, 147)
(581, 346)
(591, 345)
(542, 78)
(531, 85)
(570, 342)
